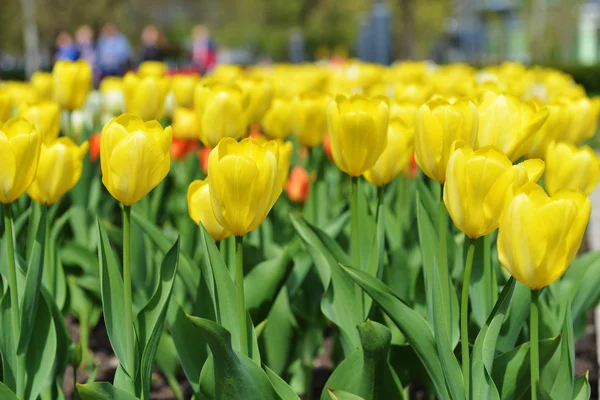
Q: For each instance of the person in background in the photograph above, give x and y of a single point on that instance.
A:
(84, 39)
(204, 52)
(65, 48)
(151, 46)
(112, 51)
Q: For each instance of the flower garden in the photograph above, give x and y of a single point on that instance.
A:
(414, 231)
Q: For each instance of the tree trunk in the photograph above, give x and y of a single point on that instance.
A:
(407, 31)
(30, 37)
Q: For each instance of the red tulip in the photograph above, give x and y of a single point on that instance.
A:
(298, 185)
(327, 147)
(203, 154)
(94, 141)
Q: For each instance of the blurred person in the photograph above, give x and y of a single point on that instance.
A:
(65, 48)
(204, 50)
(112, 51)
(151, 44)
(84, 39)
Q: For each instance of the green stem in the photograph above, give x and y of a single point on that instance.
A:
(355, 241)
(534, 349)
(84, 333)
(380, 219)
(239, 285)
(48, 264)
(127, 288)
(14, 297)
(174, 384)
(464, 318)
(443, 230)
(488, 272)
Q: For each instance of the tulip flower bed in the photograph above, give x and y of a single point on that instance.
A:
(337, 231)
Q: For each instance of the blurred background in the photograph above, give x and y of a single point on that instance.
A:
(559, 33)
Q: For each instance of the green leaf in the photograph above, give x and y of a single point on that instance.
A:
(581, 284)
(111, 283)
(238, 376)
(284, 390)
(581, 389)
(563, 381)
(102, 391)
(7, 344)
(342, 395)
(188, 271)
(366, 372)
(262, 284)
(483, 288)
(412, 325)
(33, 284)
(430, 249)
(511, 371)
(482, 360)
(63, 340)
(168, 362)
(516, 319)
(7, 394)
(278, 333)
(151, 318)
(441, 329)
(340, 303)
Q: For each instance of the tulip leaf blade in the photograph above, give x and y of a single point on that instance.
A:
(511, 372)
(7, 343)
(112, 290)
(518, 312)
(366, 372)
(33, 284)
(238, 376)
(342, 308)
(284, 391)
(102, 391)
(411, 324)
(482, 359)
(563, 378)
(6, 393)
(150, 320)
(581, 388)
(342, 395)
(483, 288)
(450, 365)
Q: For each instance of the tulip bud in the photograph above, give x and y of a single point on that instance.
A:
(183, 87)
(327, 147)
(220, 111)
(134, 157)
(145, 96)
(45, 117)
(61, 163)
(95, 147)
(584, 119)
(569, 167)
(5, 105)
(478, 185)
(358, 132)
(20, 145)
(112, 93)
(508, 124)
(539, 235)
(558, 122)
(245, 182)
(72, 83)
(203, 154)
(260, 94)
(277, 122)
(310, 118)
(439, 124)
(152, 69)
(184, 124)
(42, 83)
(298, 185)
(201, 211)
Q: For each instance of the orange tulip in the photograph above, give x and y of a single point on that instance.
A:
(298, 185)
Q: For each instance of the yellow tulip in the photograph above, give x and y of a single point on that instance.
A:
(539, 235)
(5, 104)
(42, 83)
(61, 163)
(46, 118)
(309, 118)
(112, 93)
(20, 145)
(439, 124)
(277, 122)
(285, 155)
(134, 157)
(569, 167)
(20, 93)
(220, 110)
(584, 119)
(478, 185)
(72, 83)
(145, 96)
(183, 89)
(201, 212)
(558, 122)
(397, 154)
(155, 69)
(245, 182)
(185, 124)
(508, 124)
(260, 94)
(358, 132)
